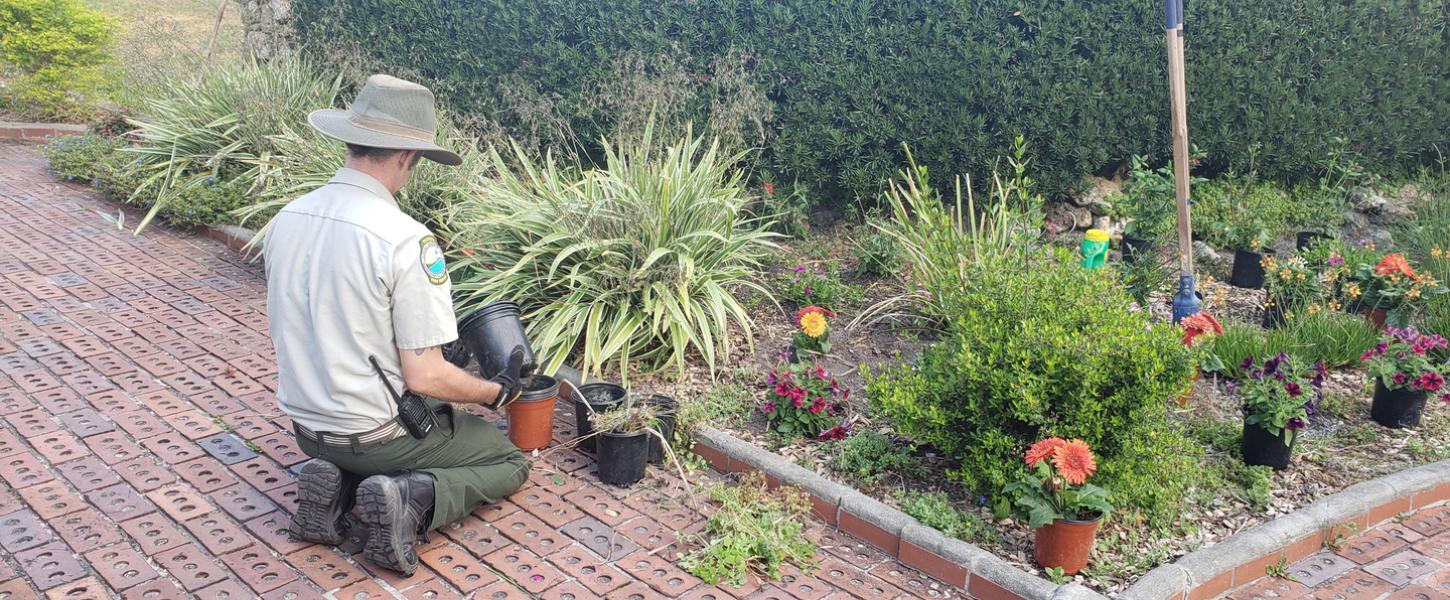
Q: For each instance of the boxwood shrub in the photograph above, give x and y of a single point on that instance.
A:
(1040, 348)
(1271, 83)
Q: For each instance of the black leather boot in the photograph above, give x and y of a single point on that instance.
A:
(395, 508)
(324, 498)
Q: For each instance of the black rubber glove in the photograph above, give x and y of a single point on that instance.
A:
(510, 381)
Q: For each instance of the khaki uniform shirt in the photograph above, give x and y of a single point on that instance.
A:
(349, 275)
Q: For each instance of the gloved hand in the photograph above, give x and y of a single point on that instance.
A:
(510, 381)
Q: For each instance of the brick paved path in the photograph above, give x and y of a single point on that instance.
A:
(1405, 560)
(142, 454)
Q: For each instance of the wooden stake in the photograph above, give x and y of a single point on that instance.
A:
(1178, 92)
(216, 30)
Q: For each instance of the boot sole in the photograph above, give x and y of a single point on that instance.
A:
(381, 503)
(319, 488)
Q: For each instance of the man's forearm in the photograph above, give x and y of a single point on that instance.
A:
(443, 380)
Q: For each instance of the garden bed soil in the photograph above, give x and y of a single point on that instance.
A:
(1340, 448)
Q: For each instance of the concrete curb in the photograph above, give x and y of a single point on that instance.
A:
(1243, 557)
(36, 132)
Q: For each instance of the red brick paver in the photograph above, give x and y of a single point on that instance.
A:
(1408, 557)
(142, 454)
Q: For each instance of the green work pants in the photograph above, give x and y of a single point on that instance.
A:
(471, 462)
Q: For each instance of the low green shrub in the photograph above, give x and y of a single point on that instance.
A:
(935, 510)
(634, 262)
(869, 456)
(877, 254)
(816, 285)
(754, 529)
(1043, 348)
(59, 50)
(81, 157)
(1230, 212)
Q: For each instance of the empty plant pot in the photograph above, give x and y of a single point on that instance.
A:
(491, 334)
(1260, 447)
(1305, 240)
(1066, 544)
(666, 412)
(594, 398)
(1135, 249)
(622, 457)
(1273, 316)
(531, 416)
(1397, 409)
(1248, 273)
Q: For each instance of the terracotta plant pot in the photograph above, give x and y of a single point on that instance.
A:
(531, 416)
(1376, 316)
(1397, 409)
(1065, 543)
(1188, 395)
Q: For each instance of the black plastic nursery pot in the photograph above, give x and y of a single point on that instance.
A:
(622, 457)
(1273, 316)
(1260, 447)
(593, 398)
(491, 333)
(1247, 273)
(1136, 248)
(666, 412)
(1305, 240)
(1397, 409)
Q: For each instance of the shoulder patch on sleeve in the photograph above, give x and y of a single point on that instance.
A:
(431, 256)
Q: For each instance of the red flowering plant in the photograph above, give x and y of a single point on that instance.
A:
(1402, 360)
(1277, 395)
(1197, 329)
(804, 399)
(815, 330)
(1057, 487)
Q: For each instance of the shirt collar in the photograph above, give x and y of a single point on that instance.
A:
(356, 178)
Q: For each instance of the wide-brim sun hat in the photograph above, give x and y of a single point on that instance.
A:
(388, 113)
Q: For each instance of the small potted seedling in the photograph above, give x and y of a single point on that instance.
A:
(1059, 504)
(624, 440)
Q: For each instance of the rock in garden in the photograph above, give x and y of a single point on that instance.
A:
(1098, 194)
(1367, 201)
(1204, 253)
(1065, 217)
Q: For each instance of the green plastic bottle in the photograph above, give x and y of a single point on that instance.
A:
(1094, 249)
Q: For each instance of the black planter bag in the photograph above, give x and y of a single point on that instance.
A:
(1397, 409)
(622, 457)
(1247, 273)
(1260, 447)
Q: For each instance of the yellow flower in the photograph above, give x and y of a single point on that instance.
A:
(1301, 277)
(813, 324)
(1414, 292)
(1314, 309)
(1352, 289)
(1437, 252)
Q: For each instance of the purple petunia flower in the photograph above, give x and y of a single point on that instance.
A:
(1294, 390)
(1295, 424)
(1246, 363)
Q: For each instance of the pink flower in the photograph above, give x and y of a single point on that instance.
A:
(818, 405)
(796, 402)
(1430, 382)
(1401, 378)
(768, 407)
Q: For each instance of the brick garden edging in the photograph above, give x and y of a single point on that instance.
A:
(37, 131)
(964, 566)
(1243, 557)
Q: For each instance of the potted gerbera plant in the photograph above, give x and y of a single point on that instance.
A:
(1404, 376)
(1058, 502)
(804, 399)
(814, 336)
(1391, 291)
(1278, 398)
(1197, 329)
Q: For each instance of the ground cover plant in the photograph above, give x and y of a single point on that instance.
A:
(754, 528)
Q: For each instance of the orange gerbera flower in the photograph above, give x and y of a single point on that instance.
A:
(1074, 461)
(1043, 450)
(1199, 324)
(1394, 264)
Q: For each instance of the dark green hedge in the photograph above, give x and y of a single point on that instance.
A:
(1271, 83)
